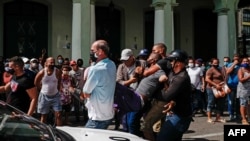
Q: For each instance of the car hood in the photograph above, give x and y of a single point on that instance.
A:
(88, 134)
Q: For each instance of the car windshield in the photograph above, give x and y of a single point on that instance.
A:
(17, 126)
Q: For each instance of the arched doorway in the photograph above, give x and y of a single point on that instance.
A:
(25, 28)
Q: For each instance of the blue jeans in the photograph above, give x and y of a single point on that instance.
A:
(233, 105)
(214, 103)
(173, 128)
(97, 124)
(133, 122)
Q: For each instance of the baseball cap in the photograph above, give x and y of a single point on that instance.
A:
(25, 59)
(126, 53)
(33, 59)
(199, 60)
(72, 63)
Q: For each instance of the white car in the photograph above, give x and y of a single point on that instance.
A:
(17, 126)
(87, 134)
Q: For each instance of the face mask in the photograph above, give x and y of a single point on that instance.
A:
(34, 65)
(65, 72)
(9, 70)
(60, 61)
(226, 63)
(191, 65)
(51, 66)
(96, 56)
(79, 63)
(92, 56)
(245, 65)
(26, 66)
(6, 68)
(197, 65)
(215, 66)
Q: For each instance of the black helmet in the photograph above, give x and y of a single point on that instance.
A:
(144, 52)
(178, 55)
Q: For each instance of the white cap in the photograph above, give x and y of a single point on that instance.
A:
(33, 59)
(126, 53)
(25, 59)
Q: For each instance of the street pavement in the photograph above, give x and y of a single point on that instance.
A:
(199, 130)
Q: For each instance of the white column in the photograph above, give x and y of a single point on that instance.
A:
(169, 24)
(85, 30)
(93, 24)
(232, 27)
(222, 35)
(159, 27)
(76, 30)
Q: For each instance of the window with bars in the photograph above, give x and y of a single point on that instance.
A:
(246, 21)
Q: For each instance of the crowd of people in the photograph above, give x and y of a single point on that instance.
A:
(153, 95)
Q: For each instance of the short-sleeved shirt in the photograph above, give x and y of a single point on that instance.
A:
(215, 75)
(77, 77)
(195, 75)
(232, 78)
(18, 96)
(150, 84)
(165, 65)
(179, 90)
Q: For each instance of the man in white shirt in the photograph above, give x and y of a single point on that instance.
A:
(197, 80)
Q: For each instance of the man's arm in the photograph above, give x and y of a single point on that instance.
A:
(231, 68)
(38, 79)
(151, 70)
(174, 88)
(59, 76)
(33, 94)
(5, 88)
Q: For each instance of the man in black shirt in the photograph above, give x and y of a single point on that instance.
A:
(23, 93)
(178, 94)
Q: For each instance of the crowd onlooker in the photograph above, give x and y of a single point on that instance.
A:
(99, 93)
(21, 90)
(232, 81)
(243, 90)
(214, 78)
(77, 74)
(48, 82)
(161, 81)
(66, 96)
(197, 80)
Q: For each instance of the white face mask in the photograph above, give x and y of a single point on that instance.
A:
(203, 67)
(96, 56)
(197, 65)
(26, 66)
(191, 65)
(34, 65)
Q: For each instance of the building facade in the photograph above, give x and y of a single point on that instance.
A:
(204, 28)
